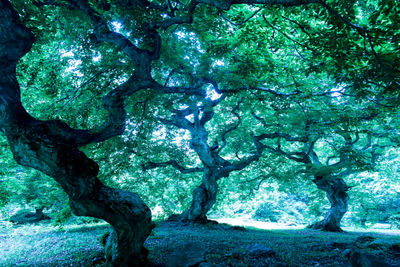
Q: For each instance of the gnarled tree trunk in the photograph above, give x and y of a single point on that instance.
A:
(77, 174)
(131, 220)
(204, 197)
(336, 192)
(52, 147)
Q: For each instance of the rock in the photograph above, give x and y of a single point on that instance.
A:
(187, 254)
(236, 255)
(346, 253)
(206, 264)
(358, 258)
(25, 216)
(365, 238)
(395, 248)
(174, 218)
(103, 238)
(260, 250)
(209, 222)
(363, 241)
(97, 261)
(379, 244)
(336, 245)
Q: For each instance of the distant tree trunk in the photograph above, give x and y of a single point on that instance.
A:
(363, 217)
(204, 198)
(336, 192)
(363, 222)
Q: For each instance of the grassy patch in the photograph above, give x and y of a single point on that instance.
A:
(46, 245)
(77, 245)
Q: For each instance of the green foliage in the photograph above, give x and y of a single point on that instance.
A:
(26, 188)
(62, 216)
(337, 68)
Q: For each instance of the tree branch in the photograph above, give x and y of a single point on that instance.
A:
(226, 4)
(287, 137)
(284, 34)
(234, 127)
(301, 157)
(236, 166)
(172, 163)
(242, 22)
(263, 89)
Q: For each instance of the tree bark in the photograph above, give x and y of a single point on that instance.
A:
(336, 192)
(77, 174)
(204, 198)
(52, 147)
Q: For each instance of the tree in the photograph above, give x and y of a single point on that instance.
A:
(50, 145)
(214, 166)
(337, 140)
(24, 186)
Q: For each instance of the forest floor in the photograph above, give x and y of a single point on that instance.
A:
(171, 244)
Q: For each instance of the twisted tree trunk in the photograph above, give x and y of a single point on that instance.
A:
(52, 147)
(336, 192)
(204, 197)
(77, 174)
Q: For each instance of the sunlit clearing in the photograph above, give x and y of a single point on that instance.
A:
(244, 222)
